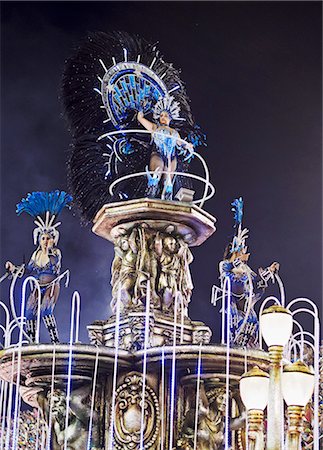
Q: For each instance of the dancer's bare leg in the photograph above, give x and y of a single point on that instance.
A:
(156, 166)
(168, 179)
(155, 162)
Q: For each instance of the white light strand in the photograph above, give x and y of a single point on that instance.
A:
(144, 368)
(197, 399)
(95, 374)
(115, 368)
(103, 65)
(173, 377)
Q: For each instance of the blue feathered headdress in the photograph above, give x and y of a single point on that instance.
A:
(238, 243)
(45, 207)
(38, 203)
(238, 211)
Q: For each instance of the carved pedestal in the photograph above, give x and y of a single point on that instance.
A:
(151, 241)
(161, 331)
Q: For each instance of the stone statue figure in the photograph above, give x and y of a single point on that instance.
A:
(133, 265)
(169, 260)
(217, 402)
(185, 279)
(209, 424)
(124, 269)
(76, 433)
(146, 266)
(174, 278)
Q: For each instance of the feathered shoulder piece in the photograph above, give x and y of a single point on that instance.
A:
(44, 207)
(238, 242)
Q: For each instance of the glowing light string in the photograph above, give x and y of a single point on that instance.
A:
(9, 405)
(18, 376)
(75, 301)
(227, 290)
(144, 369)
(162, 410)
(95, 374)
(206, 180)
(197, 400)
(315, 314)
(115, 368)
(51, 399)
(173, 376)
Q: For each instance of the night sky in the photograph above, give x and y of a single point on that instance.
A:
(253, 74)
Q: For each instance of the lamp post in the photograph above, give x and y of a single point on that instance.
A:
(297, 388)
(276, 325)
(254, 394)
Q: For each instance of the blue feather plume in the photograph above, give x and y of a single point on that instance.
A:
(238, 211)
(38, 203)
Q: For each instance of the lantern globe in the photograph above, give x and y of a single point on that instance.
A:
(276, 325)
(254, 386)
(297, 384)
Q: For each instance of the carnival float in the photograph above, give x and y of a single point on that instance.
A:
(149, 378)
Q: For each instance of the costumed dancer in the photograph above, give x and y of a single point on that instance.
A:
(243, 318)
(166, 144)
(45, 262)
(112, 81)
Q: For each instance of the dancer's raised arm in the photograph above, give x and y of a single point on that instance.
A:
(150, 126)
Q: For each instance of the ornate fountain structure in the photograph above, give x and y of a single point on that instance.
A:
(150, 378)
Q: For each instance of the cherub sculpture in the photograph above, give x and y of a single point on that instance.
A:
(166, 144)
(45, 262)
(243, 318)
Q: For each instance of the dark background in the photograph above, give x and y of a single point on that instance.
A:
(253, 73)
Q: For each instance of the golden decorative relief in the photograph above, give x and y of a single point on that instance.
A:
(144, 254)
(128, 414)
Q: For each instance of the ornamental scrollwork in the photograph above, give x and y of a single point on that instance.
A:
(128, 415)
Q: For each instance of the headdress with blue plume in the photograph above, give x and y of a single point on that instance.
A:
(238, 211)
(169, 105)
(238, 243)
(44, 207)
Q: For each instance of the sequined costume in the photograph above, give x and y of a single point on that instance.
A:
(45, 263)
(244, 288)
(243, 331)
(165, 142)
(49, 288)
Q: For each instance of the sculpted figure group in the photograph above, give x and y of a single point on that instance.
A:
(159, 257)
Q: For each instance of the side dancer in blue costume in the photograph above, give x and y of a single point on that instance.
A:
(243, 318)
(45, 262)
